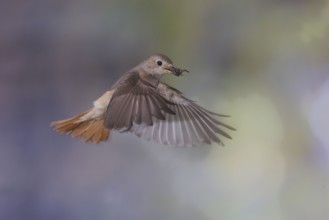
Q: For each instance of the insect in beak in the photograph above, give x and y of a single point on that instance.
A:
(176, 71)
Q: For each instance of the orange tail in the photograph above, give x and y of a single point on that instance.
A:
(89, 130)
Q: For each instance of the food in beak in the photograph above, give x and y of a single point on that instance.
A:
(177, 71)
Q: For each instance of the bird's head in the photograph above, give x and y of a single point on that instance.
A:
(159, 64)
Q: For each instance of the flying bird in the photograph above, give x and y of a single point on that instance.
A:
(139, 103)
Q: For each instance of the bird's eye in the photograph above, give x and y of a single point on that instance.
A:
(159, 63)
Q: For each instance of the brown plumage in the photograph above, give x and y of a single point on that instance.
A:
(140, 104)
(90, 130)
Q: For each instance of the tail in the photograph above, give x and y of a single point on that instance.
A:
(91, 129)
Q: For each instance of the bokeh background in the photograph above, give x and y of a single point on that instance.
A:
(264, 62)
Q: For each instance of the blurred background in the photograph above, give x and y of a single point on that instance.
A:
(264, 62)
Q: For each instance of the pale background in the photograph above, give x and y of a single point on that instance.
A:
(264, 62)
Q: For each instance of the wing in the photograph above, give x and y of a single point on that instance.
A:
(135, 102)
(191, 125)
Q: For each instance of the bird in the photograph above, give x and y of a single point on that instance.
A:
(141, 104)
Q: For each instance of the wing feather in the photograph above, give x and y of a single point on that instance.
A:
(209, 113)
(185, 130)
(205, 127)
(190, 126)
(162, 114)
(156, 108)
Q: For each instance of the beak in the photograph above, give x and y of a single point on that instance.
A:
(176, 71)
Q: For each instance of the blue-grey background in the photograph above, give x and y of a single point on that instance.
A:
(264, 62)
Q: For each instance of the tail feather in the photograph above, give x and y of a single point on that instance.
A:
(89, 130)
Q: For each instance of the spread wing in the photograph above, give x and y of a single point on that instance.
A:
(161, 114)
(191, 125)
(135, 102)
